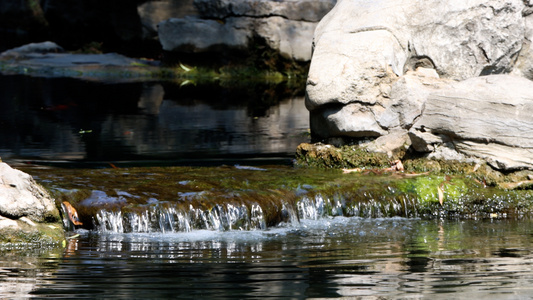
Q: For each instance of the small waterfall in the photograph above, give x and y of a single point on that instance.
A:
(167, 218)
(226, 215)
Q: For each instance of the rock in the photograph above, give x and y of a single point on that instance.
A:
(21, 196)
(350, 120)
(487, 117)
(394, 144)
(524, 63)
(385, 66)
(286, 27)
(42, 48)
(407, 98)
(27, 213)
(299, 10)
(292, 39)
(193, 35)
(362, 48)
(152, 13)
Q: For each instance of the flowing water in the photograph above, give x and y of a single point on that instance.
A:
(237, 229)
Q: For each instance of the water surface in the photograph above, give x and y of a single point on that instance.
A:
(69, 119)
(332, 257)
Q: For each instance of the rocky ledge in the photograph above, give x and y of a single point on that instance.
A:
(441, 80)
(27, 212)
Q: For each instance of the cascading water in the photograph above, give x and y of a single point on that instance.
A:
(167, 217)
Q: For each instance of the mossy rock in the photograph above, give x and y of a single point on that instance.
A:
(328, 156)
(45, 234)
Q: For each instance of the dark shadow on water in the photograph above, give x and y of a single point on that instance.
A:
(72, 120)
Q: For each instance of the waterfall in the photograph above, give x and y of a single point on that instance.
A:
(244, 214)
(168, 218)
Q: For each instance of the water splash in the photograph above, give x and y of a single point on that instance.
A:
(166, 218)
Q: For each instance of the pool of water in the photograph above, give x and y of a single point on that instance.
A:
(326, 258)
(73, 120)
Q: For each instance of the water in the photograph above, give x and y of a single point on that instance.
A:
(222, 240)
(67, 119)
(328, 258)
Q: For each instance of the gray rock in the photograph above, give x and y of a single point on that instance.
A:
(292, 39)
(393, 143)
(352, 120)
(299, 10)
(363, 48)
(524, 63)
(191, 34)
(21, 196)
(407, 98)
(152, 13)
(487, 117)
(42, 48)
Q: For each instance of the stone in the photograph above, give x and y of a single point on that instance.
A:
(488, 117)
(351, 120)
(524, 63)
(193, 35)
(21, 196)
(393, 144)
(292, 39)
(286, 27)
(42, 48)
(152, 13)
(408, 96)
(299, 10)
(364, 49)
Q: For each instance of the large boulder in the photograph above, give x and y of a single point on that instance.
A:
(361, 47)
(378, 67)
(286, 27)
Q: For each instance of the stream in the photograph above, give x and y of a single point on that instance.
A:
(189, 192)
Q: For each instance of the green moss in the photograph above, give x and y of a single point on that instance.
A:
(42, 234)
(427, 188)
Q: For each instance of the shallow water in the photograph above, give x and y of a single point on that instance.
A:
(330, 257)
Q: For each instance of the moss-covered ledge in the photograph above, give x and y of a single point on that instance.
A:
(433, 187)
(355, 157)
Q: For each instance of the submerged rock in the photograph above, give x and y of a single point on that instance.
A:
(27, 212)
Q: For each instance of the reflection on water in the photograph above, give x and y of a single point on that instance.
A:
(63, 118)
(332, 257)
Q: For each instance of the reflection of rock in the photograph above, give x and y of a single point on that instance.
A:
(151, 98)
(232, 130)
(24, 207)
(386, 67)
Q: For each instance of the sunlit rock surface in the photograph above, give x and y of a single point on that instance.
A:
(24, 207)
(378, 67)
(487, 117)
